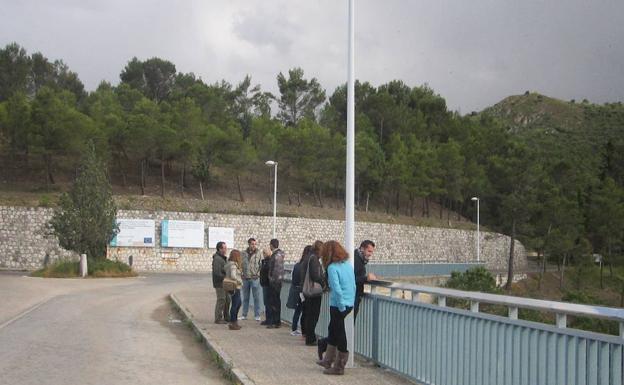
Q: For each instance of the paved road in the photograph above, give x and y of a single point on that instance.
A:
(104, 331)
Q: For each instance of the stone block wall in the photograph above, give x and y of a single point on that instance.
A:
(23, 243)
(24, 239)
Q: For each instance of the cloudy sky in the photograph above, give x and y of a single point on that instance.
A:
(473, 53)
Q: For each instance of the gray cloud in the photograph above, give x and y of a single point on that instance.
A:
(261, 29)
(472, 53)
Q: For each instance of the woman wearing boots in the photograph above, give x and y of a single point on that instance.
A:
(312, 305)
(233, 270)
(341, 299)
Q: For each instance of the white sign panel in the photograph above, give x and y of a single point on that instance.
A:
(134, 233)
(220, 234)
(182, 234)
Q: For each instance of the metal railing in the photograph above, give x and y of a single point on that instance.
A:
(433, 343)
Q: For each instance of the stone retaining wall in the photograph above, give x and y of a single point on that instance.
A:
(24, 243)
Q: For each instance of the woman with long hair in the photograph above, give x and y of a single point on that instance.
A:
(294, 298)
(234, 270)
(341, 281)
(312, 304)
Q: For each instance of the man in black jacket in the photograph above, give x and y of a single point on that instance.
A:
(222, 306)
(276, 275)
(362, 256)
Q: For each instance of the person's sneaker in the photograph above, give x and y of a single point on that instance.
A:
(258, 318)
(295, 333)
(242, 318)
(221, 322)
(264, 323)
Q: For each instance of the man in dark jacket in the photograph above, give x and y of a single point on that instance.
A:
(362, 256)
(222, 305)
(276, 275)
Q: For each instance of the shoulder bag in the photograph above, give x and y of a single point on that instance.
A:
(310, 288)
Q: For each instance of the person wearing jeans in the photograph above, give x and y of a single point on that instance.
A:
(341, 300)
(233, 271)
(252, 260)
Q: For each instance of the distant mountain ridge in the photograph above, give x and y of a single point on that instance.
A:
(531, 111)
(563, 127)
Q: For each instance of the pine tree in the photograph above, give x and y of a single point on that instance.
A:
(85, 219)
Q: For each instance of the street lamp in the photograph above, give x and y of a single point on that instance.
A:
(273, 163)
(478, 237)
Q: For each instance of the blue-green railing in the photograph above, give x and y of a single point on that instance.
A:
(436, 344)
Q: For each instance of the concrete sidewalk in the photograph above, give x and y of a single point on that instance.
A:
(256, 355)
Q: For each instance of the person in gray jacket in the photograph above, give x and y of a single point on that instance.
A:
(276, 275)
(222, 305)
(252, 260)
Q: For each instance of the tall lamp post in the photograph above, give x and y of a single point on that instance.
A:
(476, 199)
(273, 163)
(350, 172)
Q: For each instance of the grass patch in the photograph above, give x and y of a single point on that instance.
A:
(97, 268)
(61, 269)
(105, 268)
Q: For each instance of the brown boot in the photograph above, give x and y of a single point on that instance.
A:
(328, 359)
(339, 364)
(234, 326)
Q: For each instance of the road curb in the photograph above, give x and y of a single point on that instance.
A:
(222, 358)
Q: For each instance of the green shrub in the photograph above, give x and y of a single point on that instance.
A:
(98, 267)
(59, 269)
(474, 279)
(45, 201)
(587, 323)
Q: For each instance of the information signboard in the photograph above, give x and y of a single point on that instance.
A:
(134, 233)
(182, 234)
(220, 234)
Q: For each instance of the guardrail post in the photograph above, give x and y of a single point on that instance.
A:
(442, 301)
(415, 296)
(513, 312)
(474, 306)
(622, 330)
(561, 320)
(376, 336)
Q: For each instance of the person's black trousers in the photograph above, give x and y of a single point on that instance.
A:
(312, 312)
(337, 334)
(275, 304)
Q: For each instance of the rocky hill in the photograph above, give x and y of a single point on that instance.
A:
(522, 113)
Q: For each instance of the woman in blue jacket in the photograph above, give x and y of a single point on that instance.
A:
(341, 299)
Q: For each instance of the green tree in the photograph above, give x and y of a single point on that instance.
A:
(85, 219)
(249, 103)
(369, 165)
(58, 128)
(15, 124)
(14, 70)
(513, 175)
(299, 97)
(155, 77)
(606, 220)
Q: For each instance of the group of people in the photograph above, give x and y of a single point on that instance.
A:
(322, 267)
(249, 271)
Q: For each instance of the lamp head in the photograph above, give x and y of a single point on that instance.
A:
(270, 163)
(474, 199)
